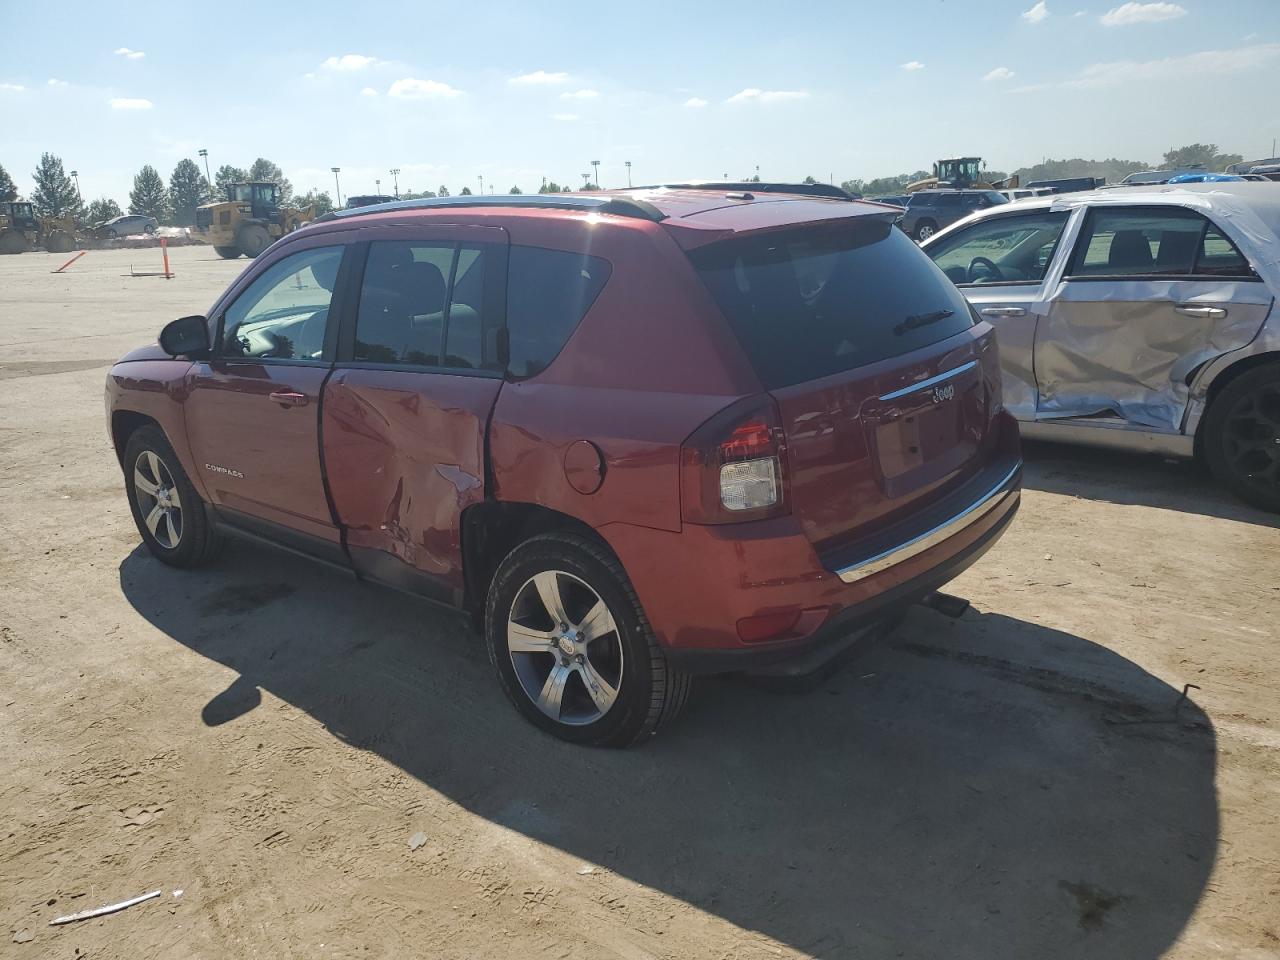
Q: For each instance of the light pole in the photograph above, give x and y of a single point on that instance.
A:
(628, 163)
(596, 165)
(395, 173)
(75, 175)
(480, 177)
(586, 180)
(337, 188)
(377, 186)
(205, 155)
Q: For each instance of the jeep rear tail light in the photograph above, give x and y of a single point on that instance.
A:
(733, 467)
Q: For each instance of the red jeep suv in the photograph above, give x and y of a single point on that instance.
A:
(638, 435)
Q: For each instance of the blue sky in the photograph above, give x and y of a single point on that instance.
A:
(517, 91)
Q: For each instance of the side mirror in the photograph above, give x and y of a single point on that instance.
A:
(186, 336)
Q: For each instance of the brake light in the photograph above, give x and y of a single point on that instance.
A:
(732, 468)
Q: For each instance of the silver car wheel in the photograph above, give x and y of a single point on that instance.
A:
(158, 501)
(565, 648)
(924, 232)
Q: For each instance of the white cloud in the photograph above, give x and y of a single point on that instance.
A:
(368, 92)
(1079, 13)
(1203, 63)
(413, 89)
(129, 54)
(130, 103)
(695, 102)
(913, 65)
(348, 62)
(756, 95)
(1128, 14)
(565, 117)
(12, 87)
(55, 82)
(999, 73)
(1037, 13)
(580, 95)
(539, 78)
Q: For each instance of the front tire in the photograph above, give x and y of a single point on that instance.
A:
(227, 253)
(1242, 437)
(253, 240)
(572, 647)
(924, 230)
(166, 508)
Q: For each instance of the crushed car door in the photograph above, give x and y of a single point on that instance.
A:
(1150, 294)
(1000, 265)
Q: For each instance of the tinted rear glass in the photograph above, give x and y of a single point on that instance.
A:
(822, 300)
(548, 293)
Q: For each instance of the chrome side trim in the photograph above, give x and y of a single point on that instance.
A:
(925, 384)
(1003, 492)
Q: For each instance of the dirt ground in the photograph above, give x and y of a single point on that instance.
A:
(266, 736)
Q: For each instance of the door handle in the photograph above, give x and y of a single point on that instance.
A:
(1003, 312)
(1195, 310)
(290, 398)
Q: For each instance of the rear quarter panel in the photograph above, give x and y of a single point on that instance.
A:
(651, 360)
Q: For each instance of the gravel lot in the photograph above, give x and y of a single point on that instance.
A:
(266, 736)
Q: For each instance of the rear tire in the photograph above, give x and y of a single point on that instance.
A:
(166, 508)
(227, 253)
(1241, 436)
(924, 230)
(11, 241)
(252, 240)
(59, 242)
(641, 691)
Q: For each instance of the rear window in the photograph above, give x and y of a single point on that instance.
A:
(548, 293)
(823, 300)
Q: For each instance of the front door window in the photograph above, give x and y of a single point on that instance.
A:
(284, 313)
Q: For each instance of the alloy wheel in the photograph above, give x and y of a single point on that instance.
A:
(565, 648)
(1251, 437)
(158, 500)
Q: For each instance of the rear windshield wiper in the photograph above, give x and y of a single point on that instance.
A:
(922, 320)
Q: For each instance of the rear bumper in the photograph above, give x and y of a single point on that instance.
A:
(698, 584)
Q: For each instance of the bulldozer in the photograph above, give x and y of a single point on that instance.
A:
(962, 173)
(21, 230)
(248, 220)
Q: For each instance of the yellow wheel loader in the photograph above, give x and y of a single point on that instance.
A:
(21, 230)
(962, 173)
(248, 220)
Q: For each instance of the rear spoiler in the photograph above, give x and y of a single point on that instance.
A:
(767, 216)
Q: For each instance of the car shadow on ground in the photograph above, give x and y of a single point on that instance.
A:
(964, 789)
(1140, 479)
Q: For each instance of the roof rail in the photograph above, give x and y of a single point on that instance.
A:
(825, 190)
(619, 206)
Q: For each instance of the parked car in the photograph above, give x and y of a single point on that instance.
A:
(1140, 318)
(896, 200)
(368, 200)
(126, 226)
(928, 211)
(1021, 193)
(635, 435)
(1068, 184)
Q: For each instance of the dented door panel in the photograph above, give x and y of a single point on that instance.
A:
(1131, 347)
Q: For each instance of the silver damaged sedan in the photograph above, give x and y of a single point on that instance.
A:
(1142, 318)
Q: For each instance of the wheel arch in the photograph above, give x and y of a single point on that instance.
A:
(493, 528)
(124, 424)
(1220, 381)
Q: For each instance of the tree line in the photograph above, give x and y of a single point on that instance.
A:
(175, 202)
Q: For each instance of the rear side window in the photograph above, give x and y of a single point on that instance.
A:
(819, 301)
(1154, 241)
(422, 304)
(548, 294)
